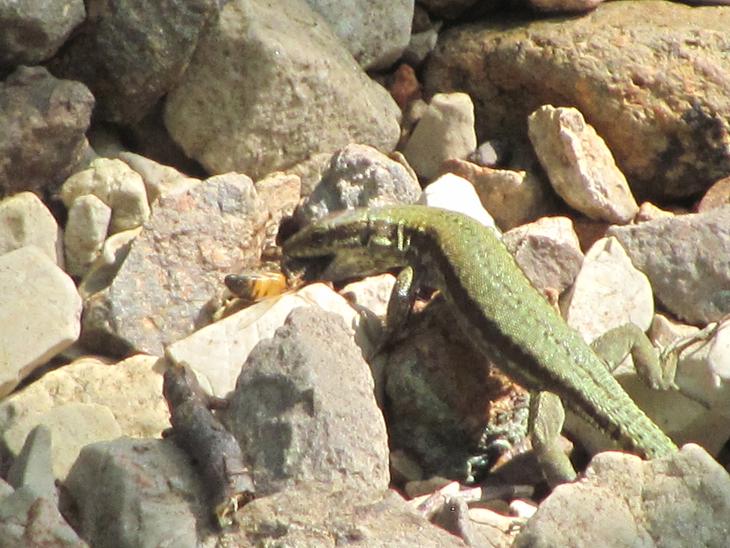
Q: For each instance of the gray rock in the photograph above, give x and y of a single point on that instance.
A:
(580, 166)
(25, 220)
(32, 31)
(681, 500)
(446, 130)
(271, 85)
(375, 32)
(132, 492)
(176, 265)
(633, 82)
(86, 228)
(29, 520)
(313, 514)
(132, 52)
(360, 176)
(687, 260)
(32, 467)
(40, 313)
(304, 408)
(43, 121)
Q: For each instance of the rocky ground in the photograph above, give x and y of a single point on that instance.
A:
(148, 149)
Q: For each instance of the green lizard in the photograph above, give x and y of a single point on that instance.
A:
(495, 306)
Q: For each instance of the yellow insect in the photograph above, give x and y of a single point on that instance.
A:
(253, 286)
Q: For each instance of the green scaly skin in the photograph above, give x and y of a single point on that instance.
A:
(495, 304)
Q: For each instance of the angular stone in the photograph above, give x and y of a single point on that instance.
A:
(102, 271)
(580, 166)
(635, 84)
(265, 91)
(33, 466)
(25, 220)
(176, 265)
(86, 228)
(43, 121)
(32, 31)
(40, 313)
(304, 408)
(132, 52)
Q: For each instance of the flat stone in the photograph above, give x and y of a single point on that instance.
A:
(304, 408)
(635, 84)
(40, 313)
(44, 121)
(25, 220)
(132, 52)
(176, 265)
(32, 31)
(290, 90)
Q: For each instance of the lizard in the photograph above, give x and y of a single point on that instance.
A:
(496, 307)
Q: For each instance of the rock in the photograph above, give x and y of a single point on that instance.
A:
(216, 352)
(608, 292)
(636, 85)
(374, 32)
(686, 260)
(624, 501)
(31, 32)
(564, 6)
(452, 192)
(126, 398)
(280, 192)
(44, 120)
(32, 467)
(490, 154)
(25, 220)
(40, 313)
(102, 271)
(405, 87)
(158, 179)
(29, 520)
(86, 228)
(132, 52)
(290, 90)
(359, 176)
(304, 409)
(717, 195)
(313, 514)
(420, 46)
(446, 130)
(115, 184)
(580, 166)
(547, 251)
(137, 493)
(512, 197)
(176, 264)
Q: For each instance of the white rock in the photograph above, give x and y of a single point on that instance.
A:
(25, 220)
(158, 178)
(115, 184)
(456, 194)
(217, 352)
(40, 313)
(86, 228)
(446, 130)
(608, 292)
(580, 166)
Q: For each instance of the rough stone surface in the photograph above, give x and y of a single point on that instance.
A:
(131, 52)
(102, 271)
(25, 220)
(375, 32)
(158, 179)
(359, 176)
(304, 408)
(658, 98)
(32, 31)
(513, 197)
(683, 499)
(264, 92)
(86, 228)
(43, 121)
(137, 493)
(580, 166)
(176, 265)
(446, 130)
(40, 313)
(313, 514)
(547, 251)
(128, 392)
(115, 184)
(687, 260)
